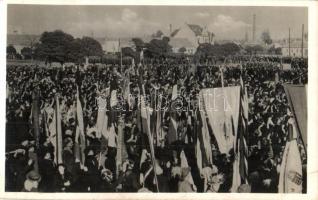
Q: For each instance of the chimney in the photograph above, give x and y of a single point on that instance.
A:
(170, 27)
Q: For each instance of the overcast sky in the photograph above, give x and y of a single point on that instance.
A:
(127, 21)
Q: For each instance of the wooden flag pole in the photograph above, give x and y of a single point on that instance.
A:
(151, 143)
(35, 114)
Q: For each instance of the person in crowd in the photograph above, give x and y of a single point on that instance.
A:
(32, 181)
(63, 179)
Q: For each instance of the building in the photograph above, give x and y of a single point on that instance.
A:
(194, 33)
(179, 43)
(295, 48)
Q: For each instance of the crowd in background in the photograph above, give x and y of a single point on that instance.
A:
(267, 127)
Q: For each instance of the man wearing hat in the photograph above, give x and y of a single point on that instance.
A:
(68, 155)
(92, 174)
(32, 182)
(47, 169)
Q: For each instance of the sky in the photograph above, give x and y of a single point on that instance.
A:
(132, 21)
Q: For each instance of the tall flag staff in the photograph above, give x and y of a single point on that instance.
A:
(148, 131)
(121, 56)
(35, 114)
(80, 139)
(59, 143)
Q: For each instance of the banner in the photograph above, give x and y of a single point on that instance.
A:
(297, 99)
(79, 111)
(80, 143)
(101, 114)
(222, 109)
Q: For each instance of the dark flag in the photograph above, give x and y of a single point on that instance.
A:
(297, 100)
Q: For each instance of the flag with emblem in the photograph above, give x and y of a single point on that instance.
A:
(290, 177)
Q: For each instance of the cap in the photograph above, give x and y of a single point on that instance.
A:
(34, 176)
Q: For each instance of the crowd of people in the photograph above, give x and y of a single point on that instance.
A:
(31, 167)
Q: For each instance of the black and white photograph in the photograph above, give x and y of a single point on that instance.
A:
(156, 99)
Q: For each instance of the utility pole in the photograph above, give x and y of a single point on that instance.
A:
(302, 40)
(288, 41)
(254, 26)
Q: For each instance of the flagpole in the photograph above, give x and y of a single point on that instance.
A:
(150, 142)
(222, 78)
(121, 55)
(35, 114)
(58, 132)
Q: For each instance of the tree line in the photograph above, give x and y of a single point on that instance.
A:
(58, 46)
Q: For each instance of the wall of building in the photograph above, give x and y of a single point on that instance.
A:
(189, 50)
(186, 32)
(294, 51)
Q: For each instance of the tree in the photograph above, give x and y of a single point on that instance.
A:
(61, 47)
(26, 52)
(158, 48)
(91, 47)
(54, 46)
(266, 38)
(229, 49)
(166, 39)
(33, 42)
(139, 44)
(158, 34)
(75, 52)
(207, 50)
(278, 51)
(128, 51)
(11, 51)
(254, 49)
(203, 51)
(182, 50)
